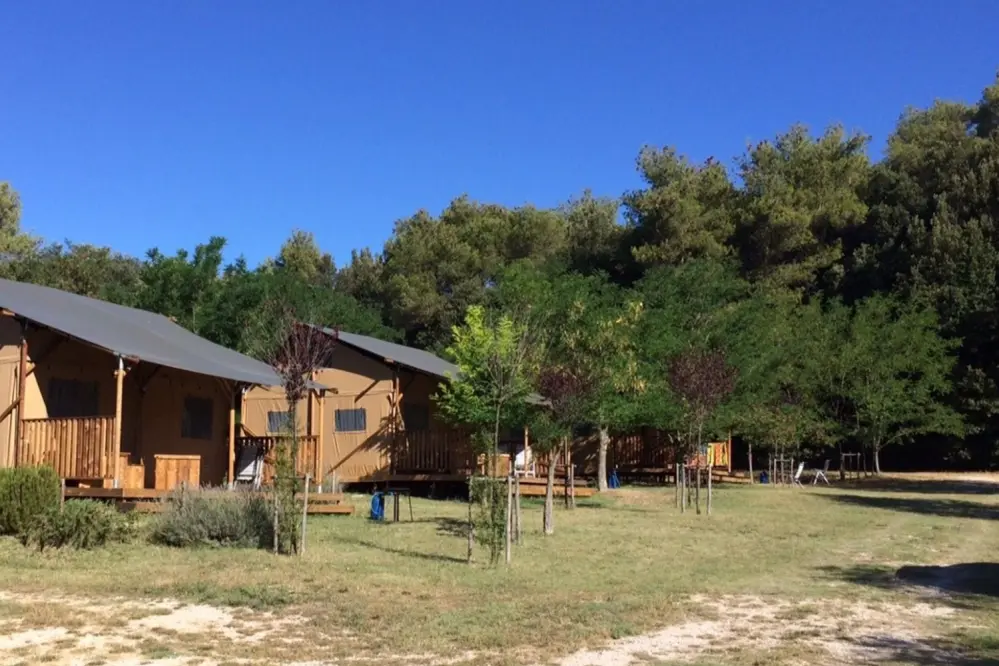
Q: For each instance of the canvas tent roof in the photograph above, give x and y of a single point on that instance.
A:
(131, 332)
(415, 359)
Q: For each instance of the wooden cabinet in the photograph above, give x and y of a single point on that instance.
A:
(172, 470)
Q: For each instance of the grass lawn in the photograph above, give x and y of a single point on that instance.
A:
(774, 575)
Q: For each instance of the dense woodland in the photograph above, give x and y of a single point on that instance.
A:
(802, 295)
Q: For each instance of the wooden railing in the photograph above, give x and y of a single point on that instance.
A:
(430, 451)
(308, 453)
(78, 448)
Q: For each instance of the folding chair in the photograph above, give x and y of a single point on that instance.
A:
(796, 481)
(250, 466)
(821, 474)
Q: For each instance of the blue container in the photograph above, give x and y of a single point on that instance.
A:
(378, 506)
(614, 482)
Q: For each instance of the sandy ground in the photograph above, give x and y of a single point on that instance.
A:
(835, 631)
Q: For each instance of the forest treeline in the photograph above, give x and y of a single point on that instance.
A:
(859, 272)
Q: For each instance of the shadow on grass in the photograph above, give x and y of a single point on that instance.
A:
(970, 580)
(923, 486)
(414, 554)
(953, 651)
(947, 508)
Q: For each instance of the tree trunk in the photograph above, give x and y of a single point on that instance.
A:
(565, 479)
(604, 446)
(842, 471)
(471, 526)
(877, 460)
(549, 515)
(676, 482)
(709, 491)
(751, 481)
(571, 488)
(509, 519)
(697, 491)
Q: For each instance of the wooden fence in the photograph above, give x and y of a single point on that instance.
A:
(432, 451)
(78, 448)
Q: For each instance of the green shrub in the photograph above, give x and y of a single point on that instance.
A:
(214, 517)
(25, 493)
(80, 524)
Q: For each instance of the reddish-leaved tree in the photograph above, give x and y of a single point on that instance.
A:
(702, 380)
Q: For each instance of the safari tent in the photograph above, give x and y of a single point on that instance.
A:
(115, 397)
(377, 421)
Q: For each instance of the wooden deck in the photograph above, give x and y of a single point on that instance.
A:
(152, 500)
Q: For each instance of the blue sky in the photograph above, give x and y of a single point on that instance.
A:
(139, 124)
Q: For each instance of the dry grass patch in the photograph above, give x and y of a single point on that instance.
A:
(620, 567)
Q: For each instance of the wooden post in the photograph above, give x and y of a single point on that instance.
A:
(22, 378)
(527, 450)
(232, 438)
(119, 376)
(395, 420)
(305, 509)
(321, 441)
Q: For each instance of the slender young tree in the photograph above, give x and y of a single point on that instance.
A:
(701, 380)
(305, 350)
(495, 360)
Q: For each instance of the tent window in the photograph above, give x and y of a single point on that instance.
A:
(196, 422)
(415, 417)
(351, 420)
(279, 422)
(69, 398)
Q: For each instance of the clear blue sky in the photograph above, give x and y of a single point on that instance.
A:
(144, 123)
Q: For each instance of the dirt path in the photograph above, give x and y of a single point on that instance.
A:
(67, 631)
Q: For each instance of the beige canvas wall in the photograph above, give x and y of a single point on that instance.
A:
(161, 415)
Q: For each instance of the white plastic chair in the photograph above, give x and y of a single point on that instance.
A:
(821, 474)
(521, 466)
(797, 475)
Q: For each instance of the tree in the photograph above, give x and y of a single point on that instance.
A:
(15, 244)
(800, 197)
(434, 269)
(686, 212)
(301, 259)
(588, 326)
(495, 362)
(701, 380)
(568, 396)
(900, 375)
(184, 287)
(87, 270)
(304, 350)
(595, 239)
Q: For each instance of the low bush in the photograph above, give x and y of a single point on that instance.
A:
(26, 493)
(214, 517)
(82, 524)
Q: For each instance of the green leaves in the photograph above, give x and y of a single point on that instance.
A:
(495, 369)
